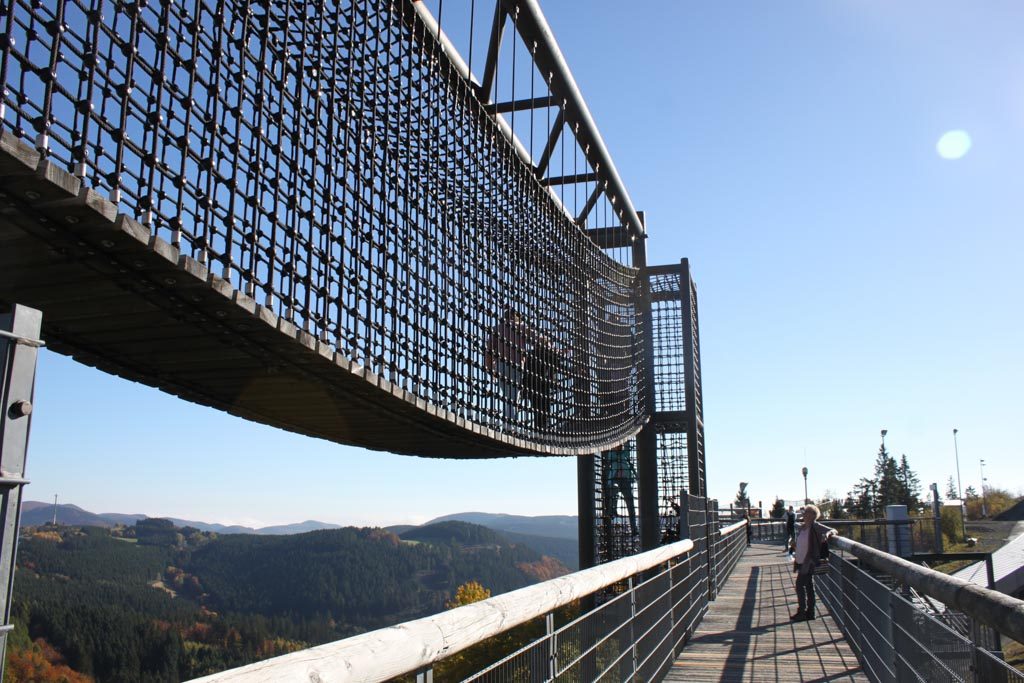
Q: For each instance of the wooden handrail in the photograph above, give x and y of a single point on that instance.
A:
(726, 530)
(992, 608)
(388, 652)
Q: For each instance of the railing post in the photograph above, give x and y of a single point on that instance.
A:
(587, 518)
(672, 605)
(632, 627)
(425, 675)
(937, 518)
(19, 348)
(549, 631)
(712, 524)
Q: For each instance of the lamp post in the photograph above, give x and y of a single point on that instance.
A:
(959, 489)
(876, 508)
(984, 512)
(807, 500)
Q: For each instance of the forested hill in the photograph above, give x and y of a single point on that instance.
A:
(176, 603)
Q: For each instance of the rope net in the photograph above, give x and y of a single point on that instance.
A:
(330, 161)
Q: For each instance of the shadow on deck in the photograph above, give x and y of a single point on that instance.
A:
(747, 635)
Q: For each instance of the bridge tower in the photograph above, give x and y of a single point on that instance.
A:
(668, 478)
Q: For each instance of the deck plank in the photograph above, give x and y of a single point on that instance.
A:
(747, 635)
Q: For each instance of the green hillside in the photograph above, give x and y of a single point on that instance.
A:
(174, 603)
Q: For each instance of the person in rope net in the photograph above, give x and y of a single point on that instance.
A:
(616, 367)
(810, 539)
(505, 358)
(540, 372)
(619, 475)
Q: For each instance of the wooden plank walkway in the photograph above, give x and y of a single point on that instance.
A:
(747, 635)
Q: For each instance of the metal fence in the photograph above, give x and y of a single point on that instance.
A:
(627, 621)
(897, 537)
(636, 634)
(768, 530)
(899, 637)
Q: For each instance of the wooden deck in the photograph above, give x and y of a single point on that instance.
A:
(747, 635)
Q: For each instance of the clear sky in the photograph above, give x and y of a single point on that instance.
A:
(850, 277)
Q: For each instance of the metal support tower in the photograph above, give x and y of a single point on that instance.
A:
(19, 347)
(669, 450)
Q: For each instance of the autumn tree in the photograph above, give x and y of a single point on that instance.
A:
(467, 594)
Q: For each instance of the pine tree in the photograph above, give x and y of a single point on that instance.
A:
(887, 476)
(742, 499)
(864, 499)
(951, 493)
(778, 509)
(910, 485)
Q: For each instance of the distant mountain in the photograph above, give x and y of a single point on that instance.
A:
(552, 526)
(300, 528)
(565, 550)
(461, 533)
(36, 513)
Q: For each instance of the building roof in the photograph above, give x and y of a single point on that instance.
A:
(1007, 565)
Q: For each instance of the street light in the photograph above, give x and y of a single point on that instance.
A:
(959, 489)
(984, 512)
(807, 501)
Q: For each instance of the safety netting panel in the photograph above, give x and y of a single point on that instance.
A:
(669, 344)
(328, 160)
(615, 475)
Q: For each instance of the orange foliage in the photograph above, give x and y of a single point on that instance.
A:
(199, 632)
(41, 663)
(544, 569)
(48, 536)
(383, 535)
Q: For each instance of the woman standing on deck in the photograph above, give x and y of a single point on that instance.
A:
(809, 540)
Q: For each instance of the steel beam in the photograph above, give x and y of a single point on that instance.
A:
(19, 348)
(549, 148)
(696, 466)
(534, 29)
(647, 439)
(610, 238)
(493, 46)
(522, 105)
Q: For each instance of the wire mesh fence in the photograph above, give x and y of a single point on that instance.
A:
(898, 537)
(635, 632)
(897, 638)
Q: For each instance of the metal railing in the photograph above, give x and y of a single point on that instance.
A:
(768, 530)
(876, 600)
(641, 618)
(636, 615)
(729, 544)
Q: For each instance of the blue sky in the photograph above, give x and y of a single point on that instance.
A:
(850, 279)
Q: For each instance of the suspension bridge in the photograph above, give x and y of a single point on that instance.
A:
(394, 224)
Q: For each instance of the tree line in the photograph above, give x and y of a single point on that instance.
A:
(167, 604)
